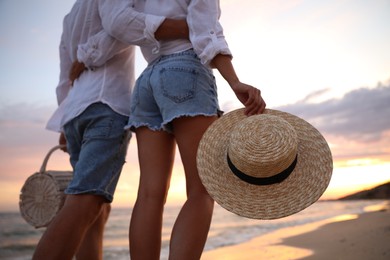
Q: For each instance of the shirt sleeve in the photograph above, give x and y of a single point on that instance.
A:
(122, 26)
(206, 33)
(64, 84)
(123, 22)
(99, 49)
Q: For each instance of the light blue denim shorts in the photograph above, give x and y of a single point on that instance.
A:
(97, 144)
(173, 86)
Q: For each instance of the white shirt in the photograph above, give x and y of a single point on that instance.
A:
(110, 83)
(206, 33)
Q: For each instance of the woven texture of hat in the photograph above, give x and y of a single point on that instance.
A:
(266, 153)
(302, 188)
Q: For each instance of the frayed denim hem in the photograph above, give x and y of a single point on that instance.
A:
(166, 125)
(136, 125)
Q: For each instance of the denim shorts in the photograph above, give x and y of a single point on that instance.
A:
(97, 144)
(173, 86)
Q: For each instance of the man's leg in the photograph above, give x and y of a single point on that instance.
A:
(97, 145)
(92, 245)
(65, 234)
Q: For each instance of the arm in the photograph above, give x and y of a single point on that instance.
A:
(123, 26)
(64, 84)
(172, 29)
(248, 95)
(123, 22)
(209, 43)
(101, 47)
(206, 33)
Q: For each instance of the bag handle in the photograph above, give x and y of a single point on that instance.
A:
(43, 167)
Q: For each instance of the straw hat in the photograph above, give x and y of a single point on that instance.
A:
(265, 166)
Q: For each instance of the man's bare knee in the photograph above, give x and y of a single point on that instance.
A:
(87, 205)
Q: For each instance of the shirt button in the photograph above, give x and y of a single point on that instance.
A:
(211, 32)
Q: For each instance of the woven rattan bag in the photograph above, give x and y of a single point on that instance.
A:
(42, 195)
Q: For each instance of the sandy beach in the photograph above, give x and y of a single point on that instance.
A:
(353, 229)
(347, 237)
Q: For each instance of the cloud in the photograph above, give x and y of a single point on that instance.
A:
(22, 123)
(361, 114)
(24, 141)
(356, 125)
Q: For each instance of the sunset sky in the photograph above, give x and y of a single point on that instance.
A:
(325, 61)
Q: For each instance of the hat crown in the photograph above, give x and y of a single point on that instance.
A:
(263, 145)
(288, 192)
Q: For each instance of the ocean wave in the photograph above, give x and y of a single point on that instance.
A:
(18, 239)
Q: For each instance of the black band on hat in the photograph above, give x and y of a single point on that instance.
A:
(277, 178)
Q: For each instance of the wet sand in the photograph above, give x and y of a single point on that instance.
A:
(365, 237)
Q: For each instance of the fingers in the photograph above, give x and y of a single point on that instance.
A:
(255, 103)
(62, 141)
(250, 97)
(76, 70)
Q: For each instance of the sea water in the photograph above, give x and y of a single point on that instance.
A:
(18, 239)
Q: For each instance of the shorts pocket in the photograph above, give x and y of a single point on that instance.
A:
(99, 129)
(178, 84)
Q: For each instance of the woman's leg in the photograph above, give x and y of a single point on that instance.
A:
(156, 152)
(191, 228)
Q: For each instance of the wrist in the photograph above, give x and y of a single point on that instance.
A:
(234, 83)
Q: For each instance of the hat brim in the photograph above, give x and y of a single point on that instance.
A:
(303, 187)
